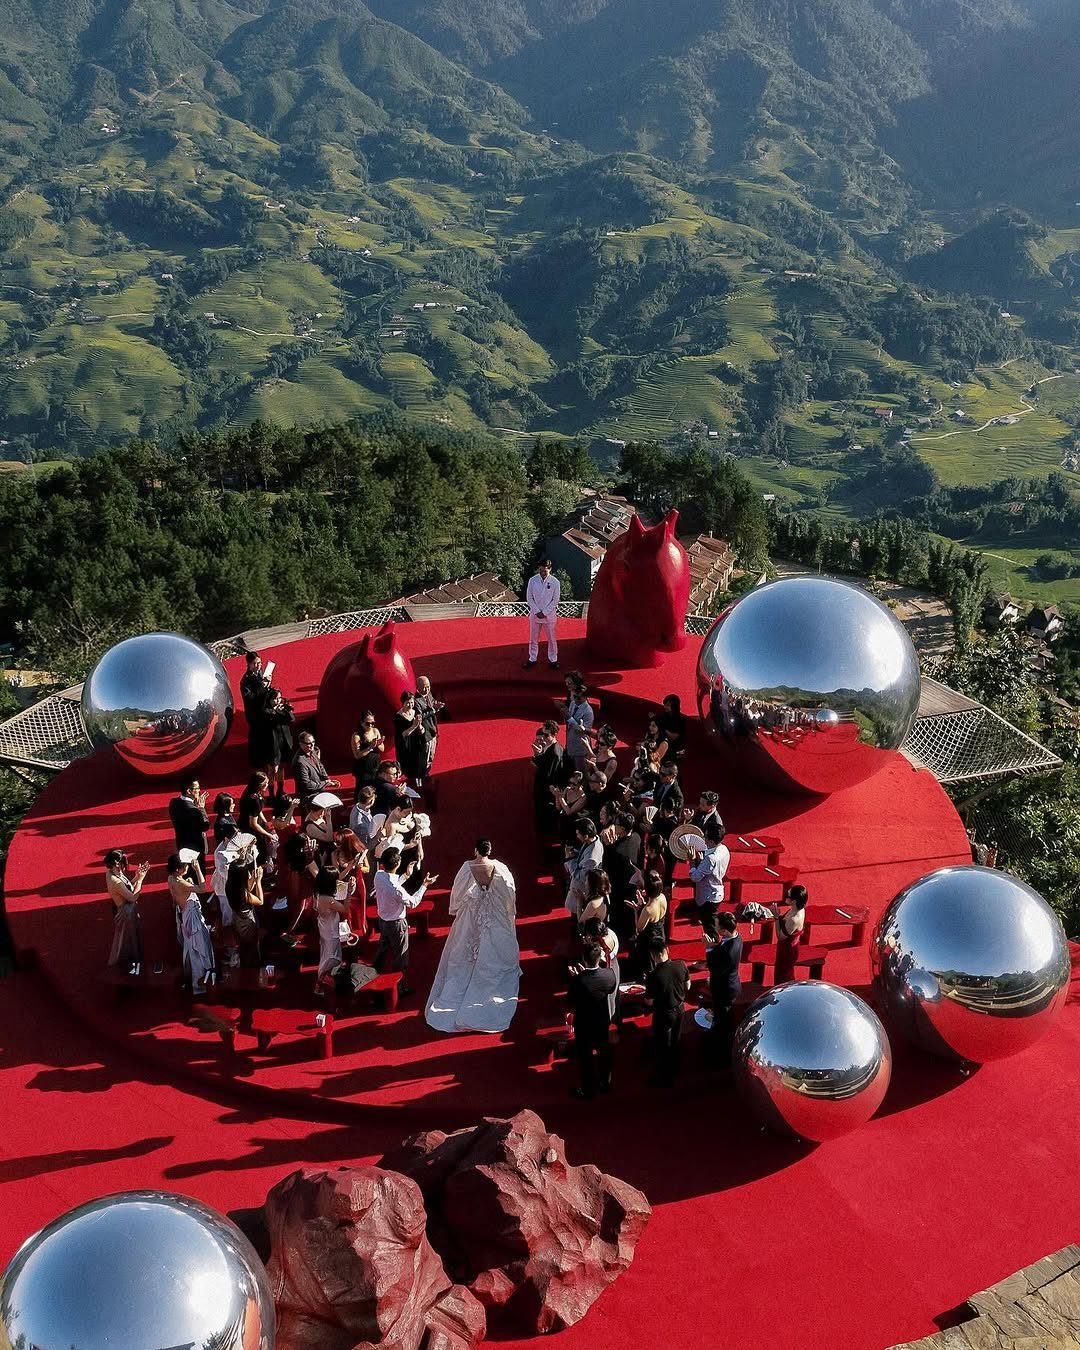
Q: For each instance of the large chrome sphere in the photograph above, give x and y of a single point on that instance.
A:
(970, 963)
(811, 1060)
(811, 680)
(142, 1270)
(161, 699)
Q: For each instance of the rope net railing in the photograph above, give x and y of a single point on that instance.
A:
(956, 747)
(975, 744)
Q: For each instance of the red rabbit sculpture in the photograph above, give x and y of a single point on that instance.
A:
(372, 673)
(637, 610)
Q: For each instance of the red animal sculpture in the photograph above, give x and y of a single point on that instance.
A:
(637, 610)
(372, 673)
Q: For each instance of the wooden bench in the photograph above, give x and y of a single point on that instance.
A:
(761, 954)
(387, 987)
(220, 1020)
(768, 846)
(420, 917)
(267, 1023)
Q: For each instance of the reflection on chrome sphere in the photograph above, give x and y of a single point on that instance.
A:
(811, 680)
(811, 1059)
(970, 963)
(161, 699)
(140, 1270)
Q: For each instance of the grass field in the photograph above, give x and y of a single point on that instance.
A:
(1009, 569)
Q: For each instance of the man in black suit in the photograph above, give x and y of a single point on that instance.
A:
(622, 863)
(666, 987)
(723, 959)
(591, 989)
(255, 691)
(668, 800)
(548, 760)
(189, 819)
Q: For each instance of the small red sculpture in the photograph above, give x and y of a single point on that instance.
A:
(637, 610)
(372, 673)
(536, 1239)
(351, 1266)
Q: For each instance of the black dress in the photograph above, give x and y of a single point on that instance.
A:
(271, 736)
(409, 744)
(366, 764)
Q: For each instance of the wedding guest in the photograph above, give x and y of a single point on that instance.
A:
(320, 830)
(622, 863)
(252, 814)
(583, 856)
(126, 952)
(429, 708)
(244, 890)
(604, 757)
(651, 906)
(653, 749)
(350, 860)
(189, 819)
(223, 856)
(707, 812)
(224, 815)
(362, 816)
(789, 931)
(297, 877)
(597, 793)
(409, 737)
(569, 804)
(708, 867)
(547, 758)
(185, 885)
(579, 721)
(668, 812)
(672, 724)
(591, 988)
(273, 743)
(388, 783)
(331, 906)
(368, 745)
(542, 594)
(393, 903)
(310, 772)
(723, 959)
(597, 897)
(254, 687)
(666, 987)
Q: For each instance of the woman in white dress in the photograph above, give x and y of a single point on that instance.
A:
(476, 985)
(331, 906)
(185, 883)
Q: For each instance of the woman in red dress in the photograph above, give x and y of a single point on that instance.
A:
(350, 859)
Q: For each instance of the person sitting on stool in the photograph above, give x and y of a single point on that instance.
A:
(591, 988)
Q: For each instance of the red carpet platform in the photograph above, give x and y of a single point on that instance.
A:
(957, 1182)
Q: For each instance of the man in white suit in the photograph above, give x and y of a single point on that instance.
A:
(543, 597)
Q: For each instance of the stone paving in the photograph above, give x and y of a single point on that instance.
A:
(1038, 1308)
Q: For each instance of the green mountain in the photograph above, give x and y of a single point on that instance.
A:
(733, 220)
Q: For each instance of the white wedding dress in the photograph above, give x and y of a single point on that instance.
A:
(476, 985)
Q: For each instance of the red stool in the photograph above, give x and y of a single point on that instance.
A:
(267, 1023)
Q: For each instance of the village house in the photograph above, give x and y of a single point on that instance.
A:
(597, 520)
(1045, 623)
(712, 561)
(882, 414)
(1000, 609)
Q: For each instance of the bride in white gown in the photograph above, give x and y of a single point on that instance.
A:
(476, 985)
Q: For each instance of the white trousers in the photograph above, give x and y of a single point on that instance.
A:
(547, 623)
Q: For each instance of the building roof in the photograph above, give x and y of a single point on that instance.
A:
(597, 520)
(481, 586)
(711, 561)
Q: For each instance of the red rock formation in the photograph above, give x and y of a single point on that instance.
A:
(535, 1239)
(372, 673)
(637, 610)
(351, 1267)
